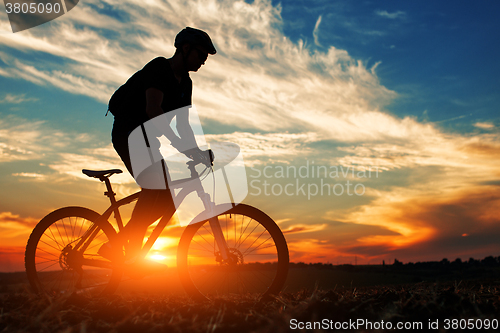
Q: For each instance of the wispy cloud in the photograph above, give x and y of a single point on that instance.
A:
(16, 99)
(260, 148)
(316, 32)
(64, 152)
(73, 83)
(71, 164)
(29, 175)
(8, 217)
(257, 69)
(485, 125)
(395, 15)
(302, 228)
(21, 141)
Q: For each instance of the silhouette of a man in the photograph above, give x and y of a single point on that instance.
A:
(162, 85)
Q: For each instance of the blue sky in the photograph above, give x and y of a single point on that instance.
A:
(441, 57)
(409, 88)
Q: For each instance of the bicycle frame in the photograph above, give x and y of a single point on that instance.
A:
(187, 185)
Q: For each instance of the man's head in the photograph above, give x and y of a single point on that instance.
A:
(195, 37)
(195, 45)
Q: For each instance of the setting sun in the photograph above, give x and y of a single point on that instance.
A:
(157, 257)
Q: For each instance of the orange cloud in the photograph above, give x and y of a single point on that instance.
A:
(14, 229)
(484, 146)
(430, 228)
(301, 228)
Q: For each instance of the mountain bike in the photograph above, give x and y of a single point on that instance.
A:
(238, 252)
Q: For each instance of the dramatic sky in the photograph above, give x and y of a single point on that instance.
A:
(317, 94)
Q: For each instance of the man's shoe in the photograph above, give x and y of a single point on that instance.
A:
(107, 252)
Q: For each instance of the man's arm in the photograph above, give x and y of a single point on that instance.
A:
(184, 129)
(186, 143)
(154, 98)
(188, 140)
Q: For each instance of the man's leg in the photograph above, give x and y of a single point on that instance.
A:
(151, 205)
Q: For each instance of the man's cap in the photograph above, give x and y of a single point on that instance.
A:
(195, 37)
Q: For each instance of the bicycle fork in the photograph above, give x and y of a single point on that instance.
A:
(219, 238)
(215, 225)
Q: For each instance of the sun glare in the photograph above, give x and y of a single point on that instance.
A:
(165, 242)
(157, 257)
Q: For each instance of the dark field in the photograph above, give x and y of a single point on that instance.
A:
(327, 295)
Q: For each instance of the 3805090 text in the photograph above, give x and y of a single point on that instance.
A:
(32, 8)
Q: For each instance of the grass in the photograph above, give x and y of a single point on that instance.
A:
(20, 311)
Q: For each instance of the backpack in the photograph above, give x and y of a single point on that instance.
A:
(115, 103)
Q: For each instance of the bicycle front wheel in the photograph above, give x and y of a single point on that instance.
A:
(62, 256)
(258, 260)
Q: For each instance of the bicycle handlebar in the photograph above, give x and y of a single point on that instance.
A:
(197, 159)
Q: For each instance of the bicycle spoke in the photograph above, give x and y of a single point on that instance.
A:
(250, 245)
(59, 233)
(80, 231)
(208, 230)
(49, 266)
(53, 263)
(246, 251)
(248, 235)
(254, 241)
(264, 254)
(50, 253)
(54, 238)
(50, 246)
(46, 260)
(243, 232)
(96, 245)
(205, 249)
(221, 227)
(206, 240)
(65, 230)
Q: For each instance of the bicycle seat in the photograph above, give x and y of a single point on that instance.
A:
(100, 173)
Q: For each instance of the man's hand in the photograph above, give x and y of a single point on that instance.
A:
(202, 156)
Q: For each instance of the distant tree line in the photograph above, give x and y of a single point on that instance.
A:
(489, 261)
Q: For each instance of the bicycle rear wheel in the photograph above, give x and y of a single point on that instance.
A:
(62, 256)
(258, 256)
